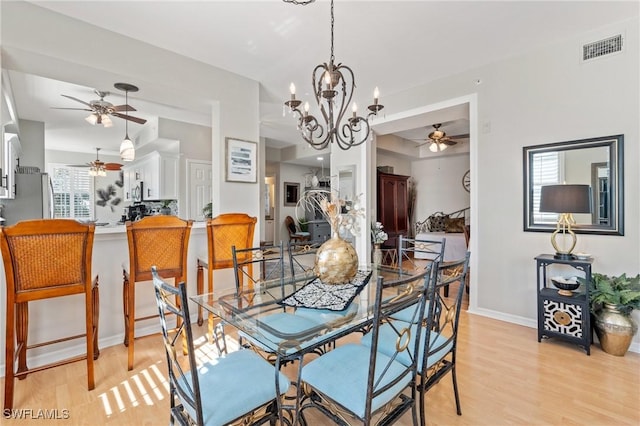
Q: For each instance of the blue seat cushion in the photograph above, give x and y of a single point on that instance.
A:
(408, 314)
(342, 376)
(387, 344)
(243, 374)
(286, 324)
(326, 315)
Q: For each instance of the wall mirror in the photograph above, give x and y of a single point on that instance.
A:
(346, 182)
(598, 162)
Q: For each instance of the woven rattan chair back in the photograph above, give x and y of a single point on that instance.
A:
(223, 232)
(160, 241)
(45, 259)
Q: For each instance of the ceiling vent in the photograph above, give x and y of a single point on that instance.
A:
(602, 47)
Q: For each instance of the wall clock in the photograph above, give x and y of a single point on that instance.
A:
(466, 181)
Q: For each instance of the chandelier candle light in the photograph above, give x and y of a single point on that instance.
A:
(333, 87)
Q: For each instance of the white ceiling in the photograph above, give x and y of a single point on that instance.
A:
(394, 45)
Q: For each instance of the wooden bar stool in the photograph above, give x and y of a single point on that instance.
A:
(223, 232)
(45, 259)
(161, 241)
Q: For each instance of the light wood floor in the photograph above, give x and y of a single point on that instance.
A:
(505, 376)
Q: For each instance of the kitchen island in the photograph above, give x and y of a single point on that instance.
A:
(52, 318)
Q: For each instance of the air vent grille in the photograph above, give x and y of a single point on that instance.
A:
(602, 47)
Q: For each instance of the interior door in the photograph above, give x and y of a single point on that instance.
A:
(200, 178)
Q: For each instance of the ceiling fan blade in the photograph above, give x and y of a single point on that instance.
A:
(123, 108)
(75, 109)
(448, 141)
(465, 136)
(130, 118)
(78, 100)
(112, 166)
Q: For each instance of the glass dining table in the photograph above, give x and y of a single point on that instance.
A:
(291, 317)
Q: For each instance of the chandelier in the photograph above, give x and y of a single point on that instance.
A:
(333, 86)
(302, 2)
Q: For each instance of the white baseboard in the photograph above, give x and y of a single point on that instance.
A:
(528, 322)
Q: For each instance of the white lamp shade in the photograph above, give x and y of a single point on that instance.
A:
(127, 151)
(106, 121)
(437, 147)
(92, 119)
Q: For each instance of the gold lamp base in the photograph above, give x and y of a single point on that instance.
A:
(564, 227)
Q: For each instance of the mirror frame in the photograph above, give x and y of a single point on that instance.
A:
(616, 185)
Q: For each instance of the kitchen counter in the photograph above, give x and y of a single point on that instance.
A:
(117, 228)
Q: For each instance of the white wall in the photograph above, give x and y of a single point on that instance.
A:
(439, 185)
(541, 97)
(401, 166)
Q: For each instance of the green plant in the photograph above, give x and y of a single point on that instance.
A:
(304, 226)
(621, 291)
(165, 203)
(207, 210)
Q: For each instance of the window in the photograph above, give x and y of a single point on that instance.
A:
(546, 171)
(72, 192)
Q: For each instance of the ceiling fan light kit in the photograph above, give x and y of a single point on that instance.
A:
(439, 141)
(97, 167)
(101, 112)
(437, 147)
(333, 87)
(127, 150)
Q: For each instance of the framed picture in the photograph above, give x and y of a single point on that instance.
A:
(242, 161)
(291, 193)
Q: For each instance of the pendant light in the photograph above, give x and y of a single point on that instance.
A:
(127, 150)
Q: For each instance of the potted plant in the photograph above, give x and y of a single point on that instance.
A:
(207, 210)
(612, 300)
(165, 207)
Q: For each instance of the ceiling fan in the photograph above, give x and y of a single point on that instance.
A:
(101, 110)
(99, 168)
(439, 140)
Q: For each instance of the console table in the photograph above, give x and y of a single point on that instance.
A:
(564, 317)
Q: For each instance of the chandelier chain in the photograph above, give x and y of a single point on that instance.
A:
(332, 24)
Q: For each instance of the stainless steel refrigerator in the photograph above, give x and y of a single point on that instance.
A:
(33, 198)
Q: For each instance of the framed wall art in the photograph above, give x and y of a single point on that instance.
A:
(291, 193)
(241, 161)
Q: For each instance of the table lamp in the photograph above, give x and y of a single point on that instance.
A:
(566, 200)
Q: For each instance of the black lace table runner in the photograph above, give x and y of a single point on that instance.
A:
(334, 297)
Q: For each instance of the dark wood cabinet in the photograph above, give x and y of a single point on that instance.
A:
(392, 206)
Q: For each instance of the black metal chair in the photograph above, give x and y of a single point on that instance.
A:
(443, 316)
(358, 380)
(199, 394)
(302, 255)
(263, 267)
(256, 265)
(430, 250)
